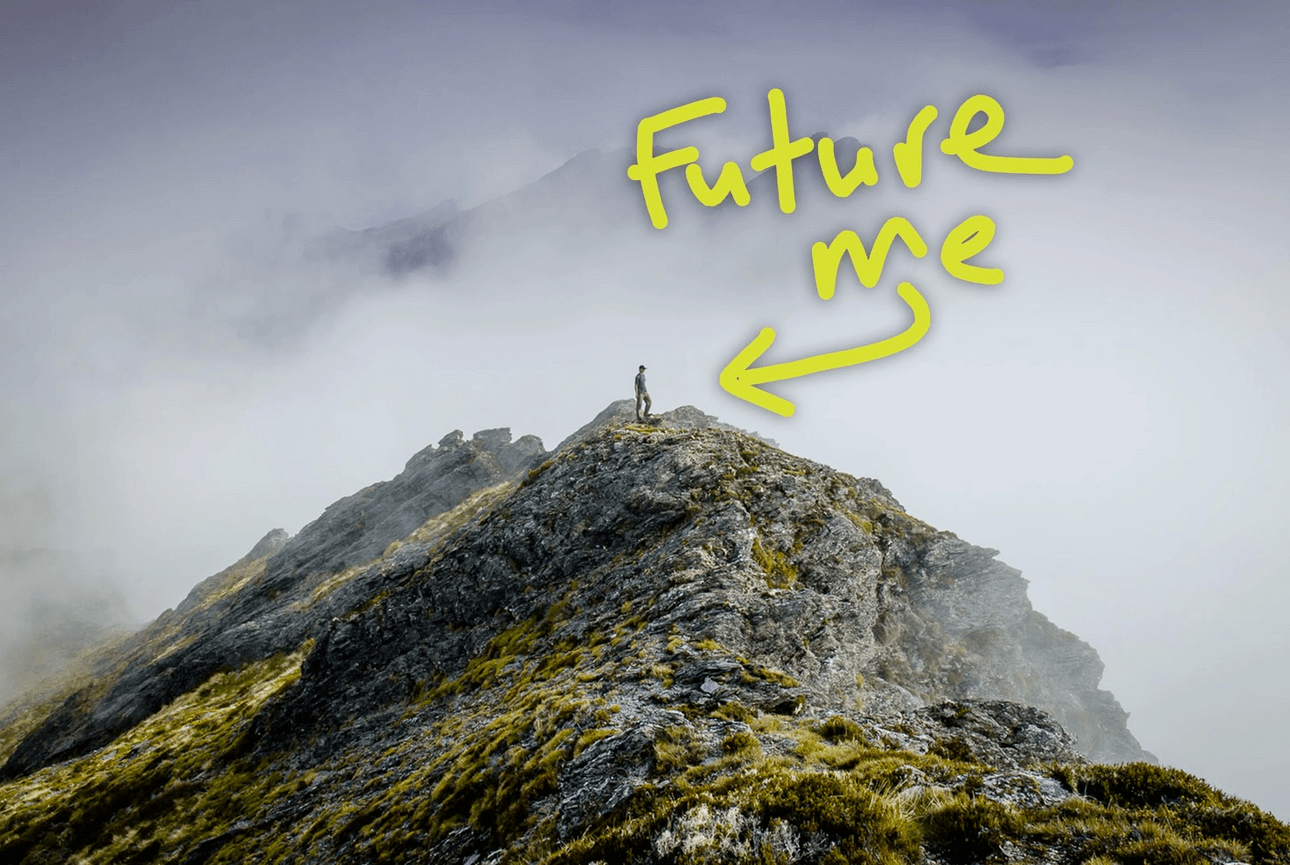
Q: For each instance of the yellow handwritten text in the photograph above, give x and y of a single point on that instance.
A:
(784, 150)
(826, 258)
(962, 243)
(965, 240)
(909, 153)
(863, 173)
(965, 145)
(649, 165)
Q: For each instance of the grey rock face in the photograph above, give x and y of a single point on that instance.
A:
(1002, 734)
(780, 562)
(641, 594)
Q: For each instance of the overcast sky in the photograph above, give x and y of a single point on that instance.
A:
(177, 376)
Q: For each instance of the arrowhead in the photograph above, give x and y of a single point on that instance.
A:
(736, 378)
(740, 380)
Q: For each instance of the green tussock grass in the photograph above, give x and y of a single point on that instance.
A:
(170, 781)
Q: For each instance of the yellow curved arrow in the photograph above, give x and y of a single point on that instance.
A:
(742, 382)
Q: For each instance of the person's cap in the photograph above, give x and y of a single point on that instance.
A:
(642, 366)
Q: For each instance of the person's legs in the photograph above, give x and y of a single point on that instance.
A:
(639, 398)
(647, 404)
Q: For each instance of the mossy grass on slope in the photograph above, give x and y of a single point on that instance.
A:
(806, 808)
(782, 790)
(169, 783)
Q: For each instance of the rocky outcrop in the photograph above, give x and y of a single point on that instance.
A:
(263, 604)
(359, 527)
(623, 411)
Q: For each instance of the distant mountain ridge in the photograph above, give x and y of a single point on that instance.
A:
(589, 193)
(589, 197)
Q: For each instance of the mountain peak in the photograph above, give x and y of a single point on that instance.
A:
(612, 651)
(623, 411)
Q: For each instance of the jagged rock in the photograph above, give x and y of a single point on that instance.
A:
(492, 439)
(999, 733)
(275, 540)
(357, 528)
(268, 545)
(246, 612)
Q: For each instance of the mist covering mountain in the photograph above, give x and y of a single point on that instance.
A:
(582, 218)
(185, 363)
(665, 642)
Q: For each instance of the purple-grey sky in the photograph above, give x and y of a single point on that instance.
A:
(179, 373)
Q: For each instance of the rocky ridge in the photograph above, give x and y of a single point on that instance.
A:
(667, 642)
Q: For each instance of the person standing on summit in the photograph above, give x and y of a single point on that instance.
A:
(642, 393)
